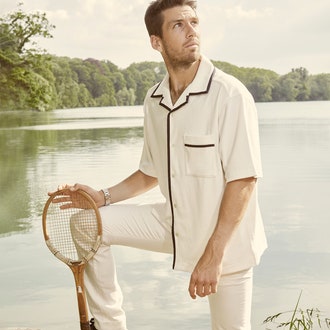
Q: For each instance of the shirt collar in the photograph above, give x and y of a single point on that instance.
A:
(200, 85)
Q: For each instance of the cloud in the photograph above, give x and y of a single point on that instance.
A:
(277, 35)
(238, 12)
(58, 15)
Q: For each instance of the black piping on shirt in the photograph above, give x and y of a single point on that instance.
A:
(170, 112)
(187, 97)
(199, 145)
(169, 182)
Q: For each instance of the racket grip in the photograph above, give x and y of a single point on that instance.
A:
(85, 326)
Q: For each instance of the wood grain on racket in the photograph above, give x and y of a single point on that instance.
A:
(73, 233)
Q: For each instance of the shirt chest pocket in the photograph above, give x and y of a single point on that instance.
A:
(200, 155)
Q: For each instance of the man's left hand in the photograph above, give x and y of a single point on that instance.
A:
(204, 279)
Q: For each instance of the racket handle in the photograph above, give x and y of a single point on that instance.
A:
(78, 272)
(85, 326)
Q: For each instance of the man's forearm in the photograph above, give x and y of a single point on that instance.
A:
(205, 277)
(233, 206)
(134, 185)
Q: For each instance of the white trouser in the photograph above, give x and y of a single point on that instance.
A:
(136, 226)
(230, 307)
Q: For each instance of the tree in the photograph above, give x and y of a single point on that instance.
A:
(302, 83)
(293, 86)
(320, 87)
(142, 76)
(125, 96)
(23, 28)
(66, 83)
(118, 81)
(23, 85)
(261, 83)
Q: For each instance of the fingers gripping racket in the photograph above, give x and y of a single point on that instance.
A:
(72, 230)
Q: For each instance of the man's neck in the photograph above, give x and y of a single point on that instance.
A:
(180, 78)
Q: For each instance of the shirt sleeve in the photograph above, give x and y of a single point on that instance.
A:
(239, 138)
(146, 161)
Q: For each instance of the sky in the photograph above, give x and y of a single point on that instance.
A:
(272, 34)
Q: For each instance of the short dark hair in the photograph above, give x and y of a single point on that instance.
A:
(154, 15)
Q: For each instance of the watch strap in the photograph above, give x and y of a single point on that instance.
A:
(107, 196)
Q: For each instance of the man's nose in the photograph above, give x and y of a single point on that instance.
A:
(191, 31)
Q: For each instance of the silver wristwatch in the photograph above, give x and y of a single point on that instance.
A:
(107, 196)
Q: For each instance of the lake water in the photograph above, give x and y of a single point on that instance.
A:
(99, 147)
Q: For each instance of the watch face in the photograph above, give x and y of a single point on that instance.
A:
(107, 196)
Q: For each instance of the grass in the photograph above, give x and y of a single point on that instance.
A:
(300, 319)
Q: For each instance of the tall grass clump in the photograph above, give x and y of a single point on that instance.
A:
(300, 319)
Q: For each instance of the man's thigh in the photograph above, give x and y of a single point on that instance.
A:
(231, 305)
(135, 226)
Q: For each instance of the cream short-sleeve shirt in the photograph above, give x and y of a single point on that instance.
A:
(194, 147)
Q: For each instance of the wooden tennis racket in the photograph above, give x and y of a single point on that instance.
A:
(72, 230)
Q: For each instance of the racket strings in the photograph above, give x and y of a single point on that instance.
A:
(72, 232)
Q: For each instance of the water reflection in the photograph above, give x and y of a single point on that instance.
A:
(29, 148)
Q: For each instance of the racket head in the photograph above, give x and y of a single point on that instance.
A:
(72, 234)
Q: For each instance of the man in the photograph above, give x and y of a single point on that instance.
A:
(201, 146)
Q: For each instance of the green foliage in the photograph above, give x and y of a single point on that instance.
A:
(294, 86)
(320, 87)
(300, 319)
(31, 79)
(24, 72)
(268, 86)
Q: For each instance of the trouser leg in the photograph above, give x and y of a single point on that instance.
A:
(230, 307)
(103, 291)
(129, 225)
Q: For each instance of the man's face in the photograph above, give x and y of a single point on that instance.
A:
(180, 44)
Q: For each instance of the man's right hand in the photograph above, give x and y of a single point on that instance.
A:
(69, 196)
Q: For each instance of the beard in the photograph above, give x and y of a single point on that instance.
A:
(180, 59)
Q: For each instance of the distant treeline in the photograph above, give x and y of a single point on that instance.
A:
(63, 82)
(32, 79)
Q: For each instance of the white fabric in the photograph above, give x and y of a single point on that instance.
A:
(137, 226)
(231, 306)
(209, 137)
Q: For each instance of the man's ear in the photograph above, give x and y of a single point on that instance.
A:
(156, 43)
